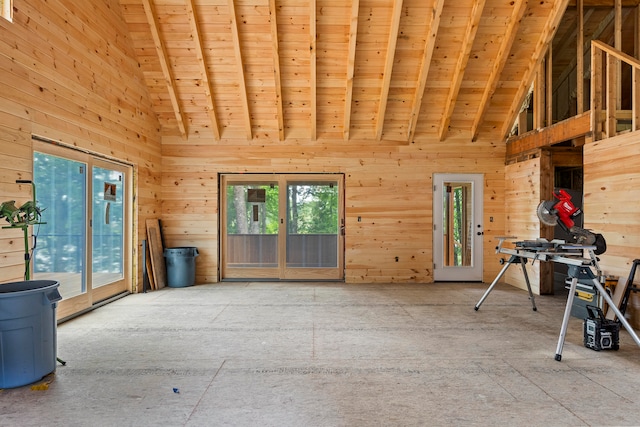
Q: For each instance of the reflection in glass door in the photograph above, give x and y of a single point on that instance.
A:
(83, 241)
(60, 246)
(107, 226)
(272, 234)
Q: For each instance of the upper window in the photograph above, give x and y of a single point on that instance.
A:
(6, 9)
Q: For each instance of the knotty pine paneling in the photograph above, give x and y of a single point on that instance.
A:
(69, 73)
(612, 204)
(522, 196)
(387, 184)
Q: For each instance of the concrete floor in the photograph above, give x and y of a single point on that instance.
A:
(322, 354)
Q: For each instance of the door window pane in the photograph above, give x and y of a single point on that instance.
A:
(61, 241)
(312, 225)
(107, 227)
(252, 225)
(457, 225)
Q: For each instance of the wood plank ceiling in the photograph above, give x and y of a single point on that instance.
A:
(395, 70)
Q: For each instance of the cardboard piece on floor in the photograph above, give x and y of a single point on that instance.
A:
(617, 296)
(157, 255)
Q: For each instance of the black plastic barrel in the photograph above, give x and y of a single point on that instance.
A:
(181, 266)
(28, 331)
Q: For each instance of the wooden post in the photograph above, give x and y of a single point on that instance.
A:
(612, 95)
(596, 92)
(546, 193)
(580, 58)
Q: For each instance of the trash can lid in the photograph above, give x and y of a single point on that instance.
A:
(181, 251)
(27, 285)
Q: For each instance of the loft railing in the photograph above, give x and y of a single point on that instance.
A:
(607, 118)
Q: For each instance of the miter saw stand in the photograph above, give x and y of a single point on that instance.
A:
(579, 268)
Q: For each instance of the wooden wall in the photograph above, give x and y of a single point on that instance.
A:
(522, 195)
(388, 184)
(612, 204)
(68, 73)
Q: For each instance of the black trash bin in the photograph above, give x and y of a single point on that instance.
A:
(181, 266)
(28, 334)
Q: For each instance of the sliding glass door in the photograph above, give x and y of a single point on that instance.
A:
(82, 242)
(282, 227)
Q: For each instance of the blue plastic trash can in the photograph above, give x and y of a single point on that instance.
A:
(28, 331)
(181, 266)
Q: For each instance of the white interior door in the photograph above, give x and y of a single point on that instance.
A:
(457, 227)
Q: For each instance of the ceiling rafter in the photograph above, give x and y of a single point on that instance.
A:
(351, 65)
(241, 78)
(461, 65)
(204, 75)
(276, 67)
(152, 19)
(430, 42)
(551, 24)
(312, 70)
(503, 53)
(388, 67)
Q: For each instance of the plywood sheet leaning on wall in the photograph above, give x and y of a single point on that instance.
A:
(156, 251)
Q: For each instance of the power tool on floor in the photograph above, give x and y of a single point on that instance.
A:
(563, 212)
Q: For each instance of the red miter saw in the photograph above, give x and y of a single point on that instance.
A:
(563, 212)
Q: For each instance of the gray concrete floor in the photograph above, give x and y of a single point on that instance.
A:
(322, 354)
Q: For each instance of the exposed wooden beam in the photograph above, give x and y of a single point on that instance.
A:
(388, 67)
(548, 114)
(204, 74)
(635, 76)
(612, 67)
(546, 35)
(573, 128)
(506, 43)
(461, 65)
(596, 91)
(617, 43)
(240, 67)
(312, 71)
(152, 19)
(635, 99)
(539, 95)
(580, 57)
(604, 23)
(430, 42)
(351, 65)
(276, 67)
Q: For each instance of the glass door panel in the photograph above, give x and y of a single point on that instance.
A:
(250, 245)
(293, 234)
(107, 227)
(312, 224)
(60, 249)
(85, 242)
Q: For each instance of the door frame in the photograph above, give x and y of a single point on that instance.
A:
(458, 273)
(281, 272)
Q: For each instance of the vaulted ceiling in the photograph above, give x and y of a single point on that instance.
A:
(339, 69)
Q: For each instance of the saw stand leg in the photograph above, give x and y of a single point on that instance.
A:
(576, 272)
(514, 259)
